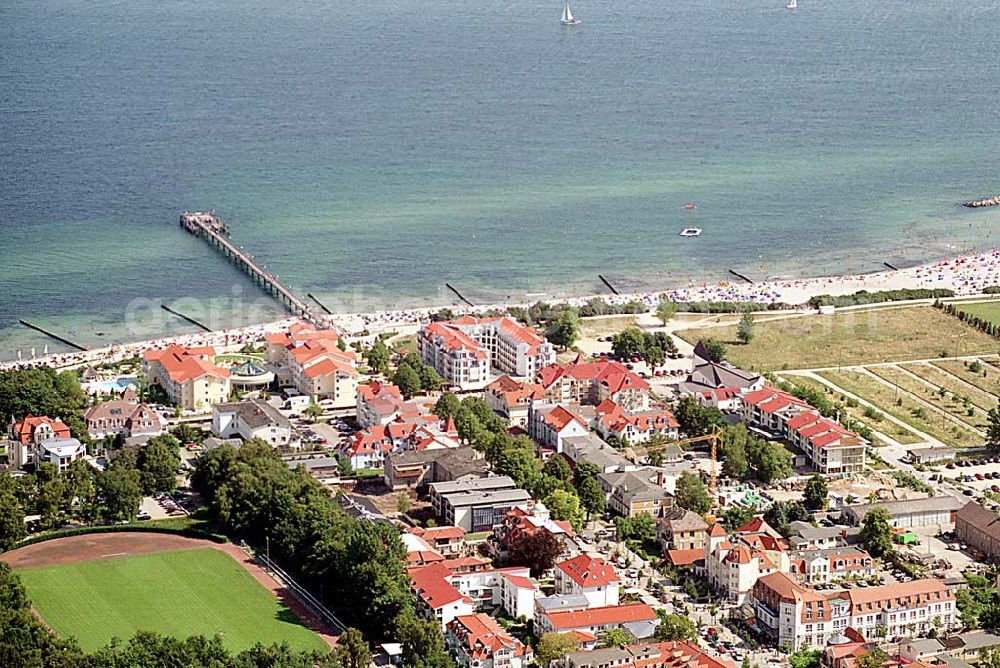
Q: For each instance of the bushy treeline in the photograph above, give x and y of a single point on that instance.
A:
(253, 496)
(865, 297)
(982, 324)
(27, 643)
(730, 307)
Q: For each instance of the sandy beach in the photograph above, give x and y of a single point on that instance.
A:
(966, 275)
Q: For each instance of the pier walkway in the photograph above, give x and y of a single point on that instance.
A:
(209, 227)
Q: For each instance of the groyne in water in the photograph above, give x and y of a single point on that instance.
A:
(979, 203)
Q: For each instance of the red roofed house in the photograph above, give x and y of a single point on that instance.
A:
(551, 424)
(449, 541)
(311, 361)
(593, 577)
(511, 399)
(638, 618)
(377, 403)
(465, 351)
(479, 641)
(188, 376)
(590, 383)
(33, 431)
(521, 522)
(636, 427)
(448, 589)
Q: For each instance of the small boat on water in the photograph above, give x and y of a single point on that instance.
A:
(792, 4)
(567, 16)
(690, 206)
(691, 232)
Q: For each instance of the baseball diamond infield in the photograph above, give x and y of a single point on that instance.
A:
(98, 586)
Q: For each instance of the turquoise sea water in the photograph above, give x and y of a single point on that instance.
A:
(368, 152)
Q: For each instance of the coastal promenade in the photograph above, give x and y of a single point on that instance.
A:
(967, 275)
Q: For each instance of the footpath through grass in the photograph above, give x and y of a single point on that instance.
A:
(850, 338)
(902, 408)
(180, 593)
(954, 385)
(982, 373)
(949, 404)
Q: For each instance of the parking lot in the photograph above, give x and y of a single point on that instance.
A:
(980, 476)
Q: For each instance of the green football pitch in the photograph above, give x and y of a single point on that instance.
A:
(199, 591)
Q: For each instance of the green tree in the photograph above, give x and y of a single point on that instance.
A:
(344, 467)
(816, 492)
(157, 463)
(313, 412)
(805, 658)
(565, 505)
(121, 489)
(403, 503)
(584, 470)
(695, 419)
(745, 329)
(51, 500)
(423, 644)
(690, 493)
(993, 428)
(769, 461)
(12, 527)
(407, 380)
(378, 357)
(558, 467)
(655, 357)
(553, 647)
(675, 627)
(186, 433)
(352, 650)
(629, 342)
(592, 496)
(715, 349)
(735, 517)
(665, 310)
(733, 452)
(782, 513)
(430, 380)
(520, 464)
(876, 532)
(873, 658)
(447, 405)
(616, 636)
(564, 331)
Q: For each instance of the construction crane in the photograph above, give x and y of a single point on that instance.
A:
(712, 438)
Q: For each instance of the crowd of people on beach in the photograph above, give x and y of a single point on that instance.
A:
(965, 275)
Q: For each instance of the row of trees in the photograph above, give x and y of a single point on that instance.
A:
(652, 346)
(253, 496)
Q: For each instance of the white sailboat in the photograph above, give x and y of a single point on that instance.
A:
(567, 16)
(792, 4)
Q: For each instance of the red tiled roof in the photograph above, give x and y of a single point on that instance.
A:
(587, 571)
(24, 431)
(606, 616)
(431, 586)
(685, 557)
(559, 418)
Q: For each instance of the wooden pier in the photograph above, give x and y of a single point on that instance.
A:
(209, 227)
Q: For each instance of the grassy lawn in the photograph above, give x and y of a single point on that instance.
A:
(987, 378)
(879, 424)
(948, 403)
(180, 593)
(984, 400)
(850, 338)
(986, 310)
(902, 407)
